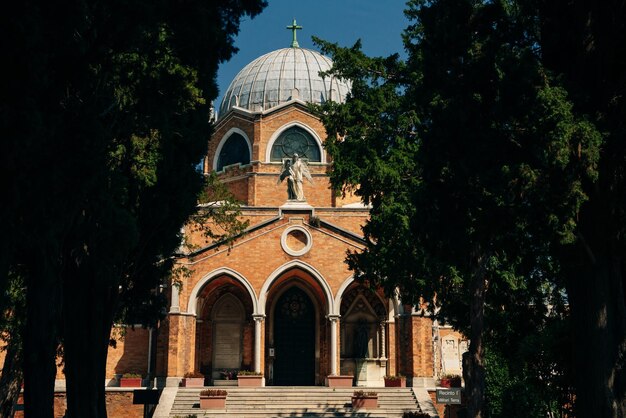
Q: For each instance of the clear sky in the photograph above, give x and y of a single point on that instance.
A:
(378, 23)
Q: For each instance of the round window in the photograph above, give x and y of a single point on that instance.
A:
(296, 241)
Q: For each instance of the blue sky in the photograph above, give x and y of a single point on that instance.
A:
(377, 23)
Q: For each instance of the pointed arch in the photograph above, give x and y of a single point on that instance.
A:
(330, 303)
(193, 297)
(395, 307)
(340, 292)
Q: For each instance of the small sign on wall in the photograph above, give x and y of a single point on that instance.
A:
(449, 396)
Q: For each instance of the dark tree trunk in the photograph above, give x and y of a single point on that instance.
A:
(4, 276)
(41, 340)
(475, 387)
(87, 323)
(11, 379)
(596, 298)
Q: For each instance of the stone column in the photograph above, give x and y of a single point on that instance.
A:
(383, 342)
(258, 329)
(175, 304)
(334, 322)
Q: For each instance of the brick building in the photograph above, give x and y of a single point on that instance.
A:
(282, 301)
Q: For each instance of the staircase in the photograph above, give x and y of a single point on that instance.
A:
(315, 401)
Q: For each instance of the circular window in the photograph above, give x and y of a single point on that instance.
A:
(296, 241)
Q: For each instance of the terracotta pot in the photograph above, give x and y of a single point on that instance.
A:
(365, 402)
(453, 382)
(130, 382)
(250, 381)
(193, 382)
(213, 402)
(395, 383)
(339, 381)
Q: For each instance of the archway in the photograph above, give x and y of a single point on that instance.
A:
(363, 335)
(294, 339)
(223, 325)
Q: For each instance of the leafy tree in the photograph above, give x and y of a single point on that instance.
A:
(105, 120)
(529, 374)
(473, 161)
(584, 42)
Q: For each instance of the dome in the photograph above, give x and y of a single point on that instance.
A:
(280, 76)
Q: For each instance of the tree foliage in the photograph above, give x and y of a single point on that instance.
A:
(583, 42)
(476, 163)
(105, 120)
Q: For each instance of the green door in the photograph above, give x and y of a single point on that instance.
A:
(294, 339)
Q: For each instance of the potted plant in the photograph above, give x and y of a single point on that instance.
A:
(338, 381)
(131, 380)
(213, 399)
(249, 378)
(193, 380)
(450, 381)
(395, 381)
(228, 374)
(362, 399)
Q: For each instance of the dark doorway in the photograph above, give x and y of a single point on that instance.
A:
(294, 339)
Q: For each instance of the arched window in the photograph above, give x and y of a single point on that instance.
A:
(295, 140)
(235, 150)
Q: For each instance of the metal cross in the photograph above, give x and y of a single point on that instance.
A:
(294, 27)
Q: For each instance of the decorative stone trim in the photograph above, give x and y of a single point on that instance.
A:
(293, 235)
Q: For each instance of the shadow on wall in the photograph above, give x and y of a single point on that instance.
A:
(130, 354)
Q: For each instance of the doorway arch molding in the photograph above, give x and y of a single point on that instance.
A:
(315, 274)
(395, 306)
(225, 271)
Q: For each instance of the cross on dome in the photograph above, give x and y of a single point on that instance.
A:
(294, 27)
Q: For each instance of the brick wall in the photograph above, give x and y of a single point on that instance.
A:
(259, 254)
(130, 354)
(119, 404)
(422, 351)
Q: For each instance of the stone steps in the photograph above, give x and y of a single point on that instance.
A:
(268, 402)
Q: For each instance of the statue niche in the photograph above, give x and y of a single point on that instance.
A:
(363, 337)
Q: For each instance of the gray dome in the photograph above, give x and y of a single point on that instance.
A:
(280, 76)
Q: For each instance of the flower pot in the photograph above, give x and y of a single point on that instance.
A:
(130, 382)
(395, 383)
(450, 382)
(213, 402)
(250, 381)
(365, 402)
(339, 381)
(193, 382)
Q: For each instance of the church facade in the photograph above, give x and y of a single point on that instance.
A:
(280, 300)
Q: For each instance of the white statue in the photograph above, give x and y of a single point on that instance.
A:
(295, 171)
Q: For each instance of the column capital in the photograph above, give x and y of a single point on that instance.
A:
(258, 317)
(333, 318)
